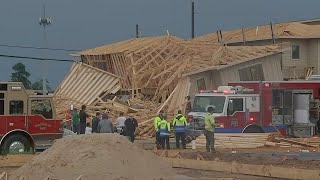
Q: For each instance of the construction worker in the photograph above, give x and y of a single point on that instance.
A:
(156, 123)
(209, 129)
(164, 131)
(179, 125)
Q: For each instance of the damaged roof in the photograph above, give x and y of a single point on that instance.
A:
(301, 29)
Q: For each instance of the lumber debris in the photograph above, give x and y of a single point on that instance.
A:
(4, 176)
(235, 140)
(150, 72)
(250, 169)
(295, 142)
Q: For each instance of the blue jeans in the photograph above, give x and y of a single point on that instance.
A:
(158, 140)
(209, 140)
(181, 136)
(165, 142)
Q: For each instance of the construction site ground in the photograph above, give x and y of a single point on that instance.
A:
(199, 174)
(276, 156)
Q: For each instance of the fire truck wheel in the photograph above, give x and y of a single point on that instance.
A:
(16, 144)
(253, 128)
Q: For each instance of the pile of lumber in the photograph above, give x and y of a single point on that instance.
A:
(294, 142)
(235, 140)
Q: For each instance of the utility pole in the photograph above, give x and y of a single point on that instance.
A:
(243, 37)
(272, 34)
(137, 30)
(44, 22)
(192, 20)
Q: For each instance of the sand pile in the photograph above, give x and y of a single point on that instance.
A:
(96, 156)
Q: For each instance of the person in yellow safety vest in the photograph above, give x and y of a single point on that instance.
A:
(156, 123)
(179, 125)
(209, 129)
(164, 129)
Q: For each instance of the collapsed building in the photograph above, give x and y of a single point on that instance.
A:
(146, 75)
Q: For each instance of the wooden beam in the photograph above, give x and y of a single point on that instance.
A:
(22, 178)
(249, 169)
(167, 100)
(79, 178)
(4, 176)
(296, 142)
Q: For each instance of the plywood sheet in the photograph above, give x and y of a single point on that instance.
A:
(85, 83)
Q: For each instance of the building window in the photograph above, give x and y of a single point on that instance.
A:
(42, 107)
(201, 84)
(1, 107)
(252, 73)
(295, 52)
(3, 87)
(16, 107)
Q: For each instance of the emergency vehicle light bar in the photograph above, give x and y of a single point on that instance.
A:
(216, 91)
(229, 90)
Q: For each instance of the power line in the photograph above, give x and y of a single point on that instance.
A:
(41, 48)
(36, 58)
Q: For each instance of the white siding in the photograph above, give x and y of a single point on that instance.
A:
(312, 51)
(309, 55)
(300, 64)
(193, 80)
(271, 66)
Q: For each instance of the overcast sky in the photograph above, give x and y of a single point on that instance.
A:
(83, 24)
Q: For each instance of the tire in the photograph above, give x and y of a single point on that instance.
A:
(253, 128)
(5, 149)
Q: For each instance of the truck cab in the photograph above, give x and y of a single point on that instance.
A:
(27, 119)
(235, 109)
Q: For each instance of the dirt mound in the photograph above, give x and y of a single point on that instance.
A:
(96, 156)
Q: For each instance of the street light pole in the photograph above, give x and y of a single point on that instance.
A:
(44, 22)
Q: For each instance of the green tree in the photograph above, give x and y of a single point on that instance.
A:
(20, 74)
(37, 85)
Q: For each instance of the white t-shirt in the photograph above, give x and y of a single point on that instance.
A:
(120, 121)
(88, 130)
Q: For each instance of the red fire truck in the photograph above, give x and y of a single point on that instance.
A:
(27, 120)
(291, 107)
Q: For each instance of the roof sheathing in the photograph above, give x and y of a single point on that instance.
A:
(282, 30)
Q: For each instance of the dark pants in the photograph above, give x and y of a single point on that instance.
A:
(82, 128)
(181, 136)
(131, 136)
(209, 140)
(165, 141)
(76, 128)
(158, 140)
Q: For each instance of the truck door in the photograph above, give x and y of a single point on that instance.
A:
(42, 125)
(40, 111)
(282, 107)
(17, 118)
(3, 119)
(16, 107)
(236, 112)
